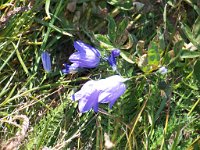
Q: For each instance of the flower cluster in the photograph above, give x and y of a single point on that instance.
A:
(92, 93)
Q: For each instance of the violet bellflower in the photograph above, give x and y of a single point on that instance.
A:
(102, 91)
(46, 61)
(112, 58)
(86, 56)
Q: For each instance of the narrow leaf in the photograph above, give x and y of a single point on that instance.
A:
(111, 29)
(196, 29)
(189, 54)
(125, 57)
(122, 27)
(47, 4)
(104, 41)
(196, 70)
(190, 36)
(21, 62)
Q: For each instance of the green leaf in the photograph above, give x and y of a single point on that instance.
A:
(47, 4)
(189, 54)
(161, 40)
(153, 55)
(112, 27)
(178, 47)
(51, 26)
(161, 107)
(113, 2)
(143, 63)
(122, 27)
(21, 61)
(150, 61)
(124, 5)
(104, 42)
(196, 70)
(177, 51)
(125, 55)
(190, 36)
(165, 17)
(196, 29)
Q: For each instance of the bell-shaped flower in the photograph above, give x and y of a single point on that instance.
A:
(102, 91)
(86, 56)
(112, 58)
(46, 61)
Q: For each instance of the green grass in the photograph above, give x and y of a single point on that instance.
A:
(156, 112)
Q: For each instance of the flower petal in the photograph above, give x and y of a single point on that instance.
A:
(115, 52)
(111, 89)
(162, 70)
(73, 68)
(112, 58)
(88, 101)
(87, 96)
(46, 61)
(86, 55)
(86, 89)
(84, 60)
(110, 95)
(96, 107)
(83, 47)
(112, 62)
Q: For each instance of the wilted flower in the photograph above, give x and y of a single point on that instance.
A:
(112, 58)
(46, 61)
(163, 70)
(102, 91)
(86, 55)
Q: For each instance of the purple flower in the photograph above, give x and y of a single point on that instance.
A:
(102, 91)
(112, 58)
(162, 70)
(73, 68)
(86, 55)
(46, 61)
(87, 96)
